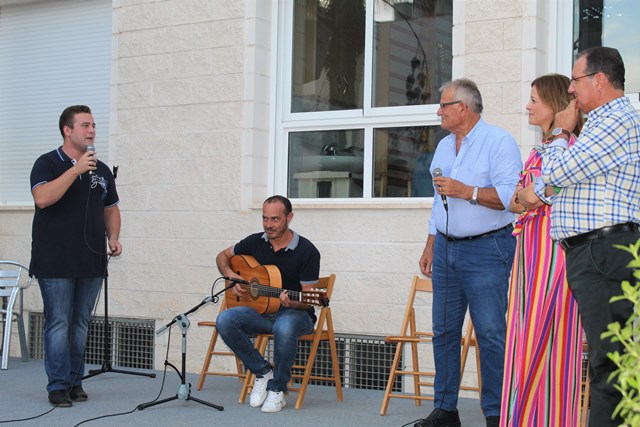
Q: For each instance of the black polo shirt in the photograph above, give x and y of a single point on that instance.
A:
(299, 262)
(68, 237)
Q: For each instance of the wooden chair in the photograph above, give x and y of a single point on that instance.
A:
(409, 334)
(586, 390)
(469, 340)
(211, 351)
(323, 331)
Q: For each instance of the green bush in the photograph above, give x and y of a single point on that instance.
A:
(628, 363)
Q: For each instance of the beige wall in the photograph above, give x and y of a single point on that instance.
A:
(190, 131)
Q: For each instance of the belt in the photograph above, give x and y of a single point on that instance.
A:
(573, 241)
(488, 233)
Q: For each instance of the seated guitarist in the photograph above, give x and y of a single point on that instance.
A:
(299, 264)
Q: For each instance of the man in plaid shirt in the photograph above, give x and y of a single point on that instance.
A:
(597, 207)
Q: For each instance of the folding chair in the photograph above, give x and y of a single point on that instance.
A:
(409, 334)
(211, 351)
(469, 340)
(14, 278)
(586, 390)
(323, 331)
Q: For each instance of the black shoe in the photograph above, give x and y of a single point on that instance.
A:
(440, 418)
(77, 394)
(59, 399)
(493, 421)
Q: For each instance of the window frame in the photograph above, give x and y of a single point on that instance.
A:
(368, 118)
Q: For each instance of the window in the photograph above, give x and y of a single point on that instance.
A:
(54, 54)
(610, 23)
(360, 82)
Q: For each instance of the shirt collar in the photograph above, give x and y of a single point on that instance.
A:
(292, 244)
(63, 156)
(605, 108)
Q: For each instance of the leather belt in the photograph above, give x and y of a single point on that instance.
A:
(477, 236)
(573, 241)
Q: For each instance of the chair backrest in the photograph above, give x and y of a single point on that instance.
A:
(417, 285)
(13, 278)
(326, 283)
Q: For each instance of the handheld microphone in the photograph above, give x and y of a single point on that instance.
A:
(92, 149)
(234, 280)
(436, 173)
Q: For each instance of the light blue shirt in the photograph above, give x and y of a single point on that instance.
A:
(488, 157)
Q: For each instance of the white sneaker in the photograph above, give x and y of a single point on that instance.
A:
(275, 402)
(259, 391)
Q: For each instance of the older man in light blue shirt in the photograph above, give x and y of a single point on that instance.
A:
(470, 248)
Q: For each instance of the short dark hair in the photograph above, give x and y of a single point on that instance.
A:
(605, 60)
(69, 113)
(286, 202)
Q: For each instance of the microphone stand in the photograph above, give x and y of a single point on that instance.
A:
(184, 389)
(106, 360)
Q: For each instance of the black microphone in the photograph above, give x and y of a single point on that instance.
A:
(234, 280)
(436, 173)
(93, 149)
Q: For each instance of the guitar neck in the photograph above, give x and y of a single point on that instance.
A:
(272, 292)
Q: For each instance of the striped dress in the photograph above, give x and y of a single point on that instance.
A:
(543, 352)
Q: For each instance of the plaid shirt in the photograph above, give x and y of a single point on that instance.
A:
(599, 175)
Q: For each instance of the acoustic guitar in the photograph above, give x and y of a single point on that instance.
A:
(264, 283)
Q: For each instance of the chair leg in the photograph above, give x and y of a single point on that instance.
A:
(207, 359)
(335, 364)
(392, 378)
(586, 395)
(307, 372)
(24, 349)
(5, 341)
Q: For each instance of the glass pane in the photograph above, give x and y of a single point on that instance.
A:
(412, 51)
(610, 23)
(328, 55)
(402, 157)
(326, 163)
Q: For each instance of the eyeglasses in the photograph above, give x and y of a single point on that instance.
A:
(575, 79)
(446, 104)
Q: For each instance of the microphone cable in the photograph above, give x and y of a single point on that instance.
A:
(446, 296)
(213, 299)
(95, 307)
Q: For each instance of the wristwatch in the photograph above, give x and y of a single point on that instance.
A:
(559, 131)
(474, 196)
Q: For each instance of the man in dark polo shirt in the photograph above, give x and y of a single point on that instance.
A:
(76, 205)
(299, 263)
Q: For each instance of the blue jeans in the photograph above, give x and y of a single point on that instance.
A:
(236, 325)
(474, 274)
(67, 310)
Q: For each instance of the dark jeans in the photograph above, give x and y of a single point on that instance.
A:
(67, 311)
(595, 271)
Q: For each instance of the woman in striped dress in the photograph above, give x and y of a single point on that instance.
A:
(543, 353)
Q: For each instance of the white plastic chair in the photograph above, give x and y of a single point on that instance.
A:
(14, 278)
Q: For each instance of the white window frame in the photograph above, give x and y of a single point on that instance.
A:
(368, 118)
(563, 12)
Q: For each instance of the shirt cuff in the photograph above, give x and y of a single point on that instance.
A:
(559, 142)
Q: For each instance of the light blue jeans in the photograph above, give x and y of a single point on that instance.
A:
(236, 325)
(67, 310)
(475, 274)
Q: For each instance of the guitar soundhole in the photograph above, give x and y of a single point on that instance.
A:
(254, 290)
